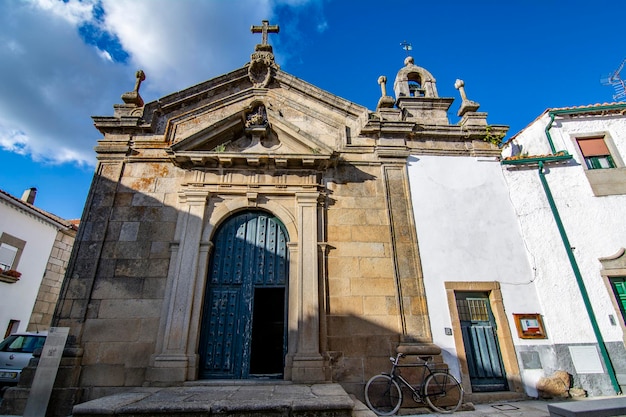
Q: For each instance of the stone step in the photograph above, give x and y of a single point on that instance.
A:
(225, 398)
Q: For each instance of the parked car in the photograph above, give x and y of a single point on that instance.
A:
(15, 353)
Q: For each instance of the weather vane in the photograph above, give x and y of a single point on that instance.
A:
(406, 46)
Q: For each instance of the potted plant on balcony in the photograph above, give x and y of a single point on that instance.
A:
(10, 275)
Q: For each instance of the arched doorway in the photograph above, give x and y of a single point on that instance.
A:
(243, 332)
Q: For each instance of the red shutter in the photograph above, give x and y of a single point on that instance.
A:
(593, 147)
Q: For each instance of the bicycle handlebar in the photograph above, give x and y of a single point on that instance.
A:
(402, 355)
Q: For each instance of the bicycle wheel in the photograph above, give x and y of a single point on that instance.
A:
(383, 395)
(443, 393)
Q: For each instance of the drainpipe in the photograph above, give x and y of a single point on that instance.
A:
(579, 278)
(548, 127)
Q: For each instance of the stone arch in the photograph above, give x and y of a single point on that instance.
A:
(248, 268)
(411, 72)
(215, 216)
(223, 211)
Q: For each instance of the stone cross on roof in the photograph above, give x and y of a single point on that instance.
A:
(264, 29)
(262, 62)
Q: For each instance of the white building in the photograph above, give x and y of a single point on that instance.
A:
(37, 245)
(503, 299)
(567, 182)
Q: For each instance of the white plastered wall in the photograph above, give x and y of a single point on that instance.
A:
(468, 232)
(594, 226)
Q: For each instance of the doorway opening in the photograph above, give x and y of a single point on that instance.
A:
(243, 323)
(268, 333)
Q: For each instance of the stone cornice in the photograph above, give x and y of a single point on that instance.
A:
(433, 139)
(200, 92)
(289, 81)
(188, 160)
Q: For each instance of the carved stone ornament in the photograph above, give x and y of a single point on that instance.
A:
(260, 69)
(257, 117)
(262, 60)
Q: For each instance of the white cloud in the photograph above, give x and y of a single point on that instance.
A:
(13, 141)
(57, 81)
(179, 44)
(105, 55)
(54, 80)
(72, 11)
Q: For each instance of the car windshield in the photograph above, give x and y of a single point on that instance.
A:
(22, 343)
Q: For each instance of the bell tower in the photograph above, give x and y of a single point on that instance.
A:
(416, 95)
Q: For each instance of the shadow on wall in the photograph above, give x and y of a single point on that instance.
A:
(113, 294)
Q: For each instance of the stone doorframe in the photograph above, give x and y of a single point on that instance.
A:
(614, 266)
(507, 349)
(200, 212)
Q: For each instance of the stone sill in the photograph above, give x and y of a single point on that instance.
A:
(8, 279)
(608, 181)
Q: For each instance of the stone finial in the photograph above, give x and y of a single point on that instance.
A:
(382, 81)
(460, 85)
(133, 97)
(466, 105)
(385, 101)
(409, 61)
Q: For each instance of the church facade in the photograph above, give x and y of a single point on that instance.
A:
(255, 226)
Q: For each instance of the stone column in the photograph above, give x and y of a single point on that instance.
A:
(205, 250)
(308, 364)
(408, 271)
(171, 360)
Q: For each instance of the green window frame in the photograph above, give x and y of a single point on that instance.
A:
(618, 284)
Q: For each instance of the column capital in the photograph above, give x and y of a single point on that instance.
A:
(310, 197)
(194, 196)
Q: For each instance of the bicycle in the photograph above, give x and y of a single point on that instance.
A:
(439, 389)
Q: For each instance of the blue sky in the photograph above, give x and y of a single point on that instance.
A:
(62, 62)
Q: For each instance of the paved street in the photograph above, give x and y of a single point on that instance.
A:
(529, 408)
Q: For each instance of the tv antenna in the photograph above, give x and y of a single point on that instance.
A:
(406, 46)
(616, 81)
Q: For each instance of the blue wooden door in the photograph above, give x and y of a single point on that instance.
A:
(482, 350)
(249, 265)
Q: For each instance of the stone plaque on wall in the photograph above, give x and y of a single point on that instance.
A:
(46, 372)
(586, 359)
(531, 360)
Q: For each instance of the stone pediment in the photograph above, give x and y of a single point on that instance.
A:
(254, 135)
(228, 120)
